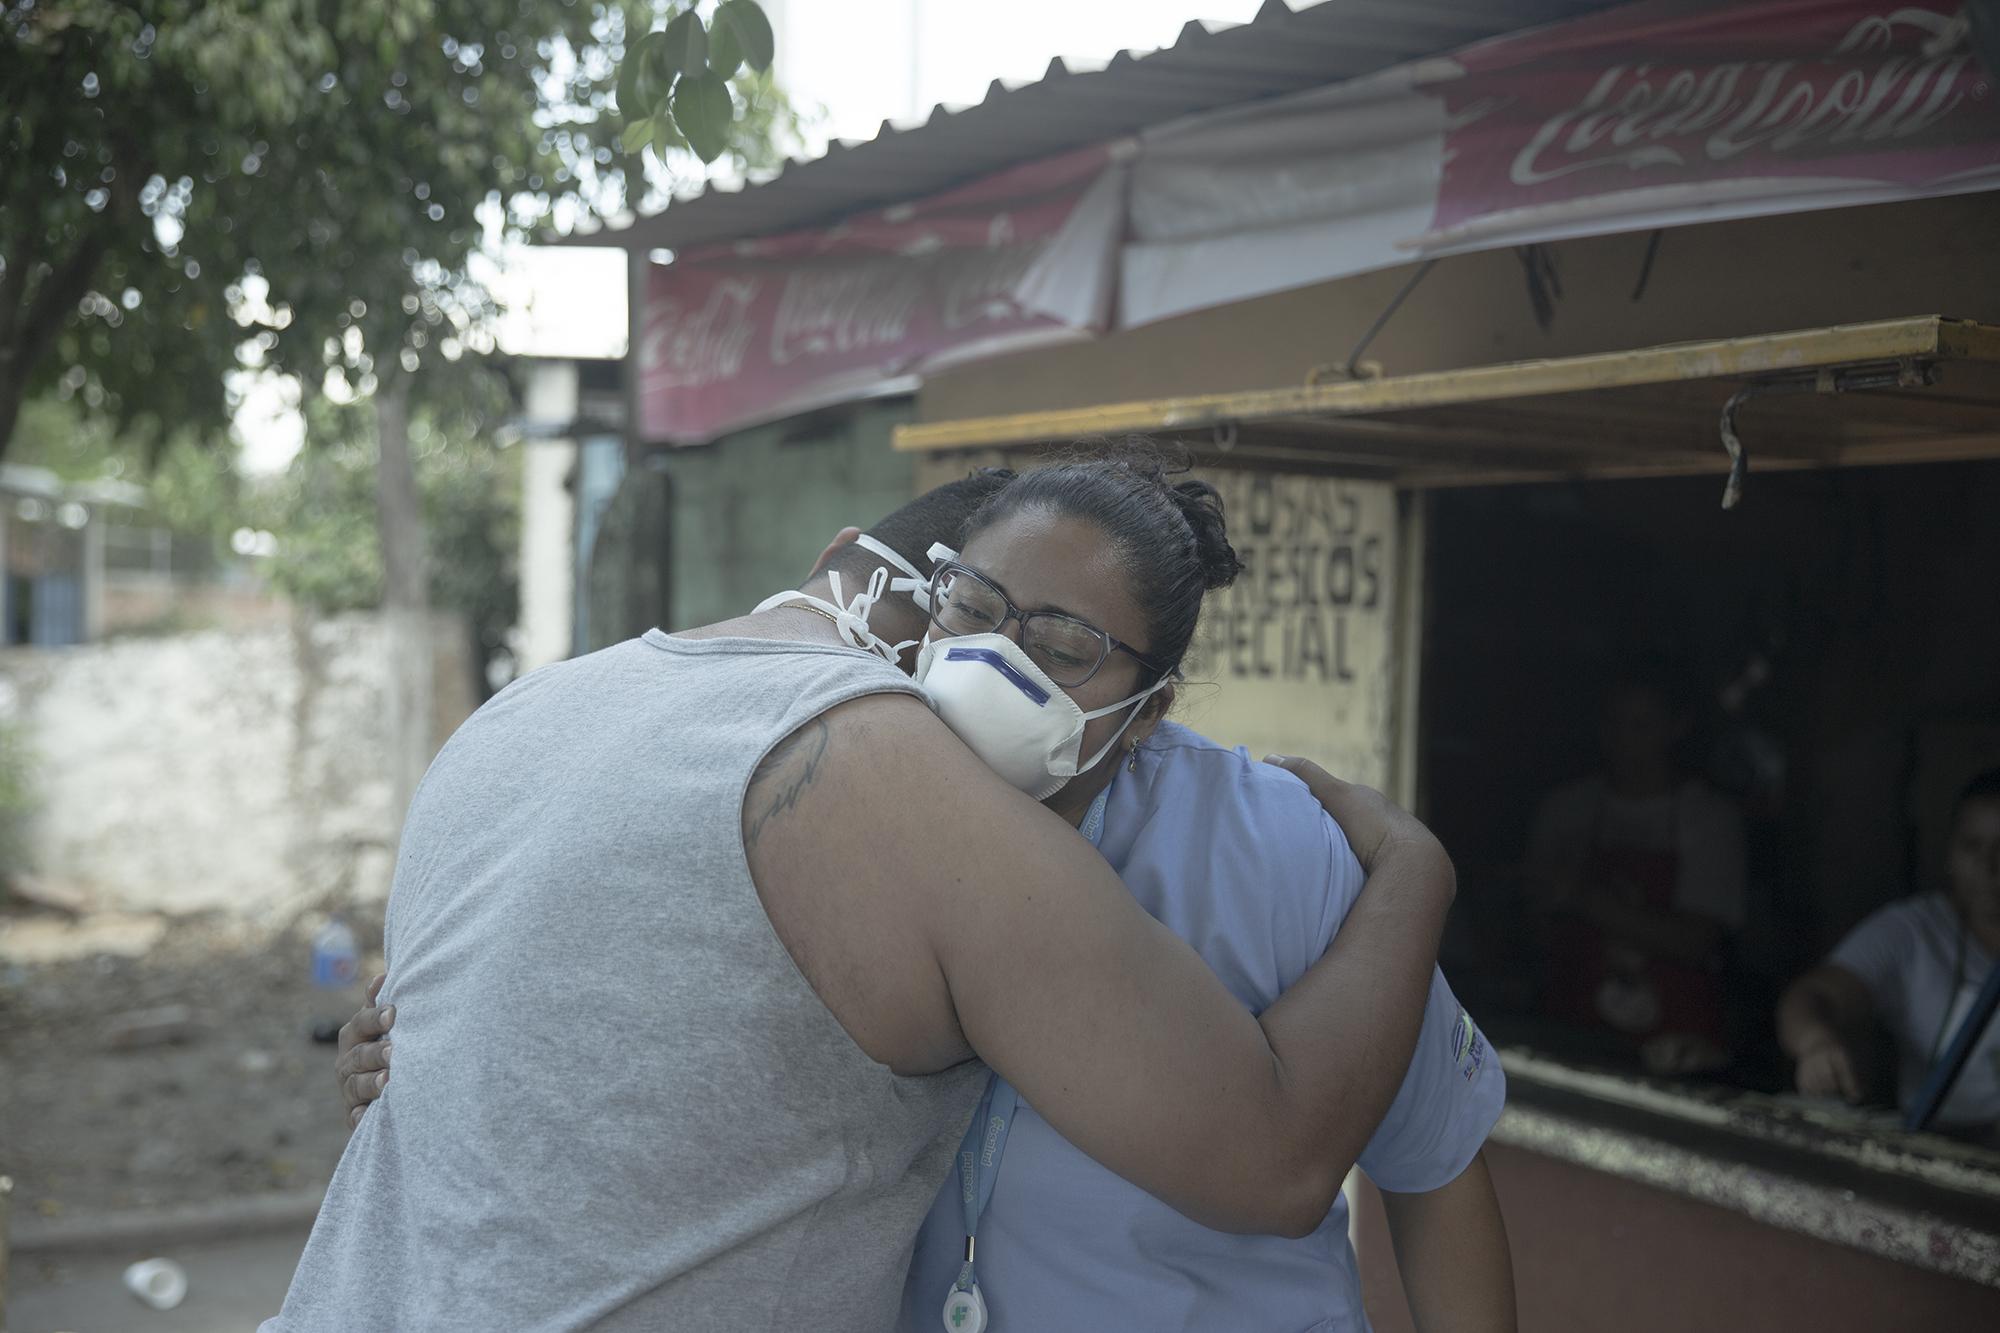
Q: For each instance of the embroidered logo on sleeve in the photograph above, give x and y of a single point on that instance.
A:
(1468, 1047)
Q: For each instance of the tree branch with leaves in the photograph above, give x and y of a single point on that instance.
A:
(186, 190)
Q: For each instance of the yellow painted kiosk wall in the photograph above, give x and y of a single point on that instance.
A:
(1297, 657)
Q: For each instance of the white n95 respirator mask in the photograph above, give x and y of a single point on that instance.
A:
(1007, 710)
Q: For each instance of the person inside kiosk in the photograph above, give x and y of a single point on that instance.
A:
(1924, 969)
(1637, 876)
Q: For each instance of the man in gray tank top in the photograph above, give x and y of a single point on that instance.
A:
(695, 881)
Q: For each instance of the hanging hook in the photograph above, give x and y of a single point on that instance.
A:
(1739, 457)
(1905, 373)
(1223, 434)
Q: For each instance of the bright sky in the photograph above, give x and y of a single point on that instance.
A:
(850, 63)
(866, 61)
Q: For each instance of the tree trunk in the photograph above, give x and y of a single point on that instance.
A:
(28, 325)
(13, 388)
(405, 594)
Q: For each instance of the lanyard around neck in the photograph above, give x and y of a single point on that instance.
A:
(979, 1164)
(1951, 993)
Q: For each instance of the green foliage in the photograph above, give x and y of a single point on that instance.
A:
(189, 487)
(684, 45)
(322, 509)
(194, 489)
(703, 112)
(675, 89)
(297, 183)
(300, 187)
(57, 435)
(740, 34)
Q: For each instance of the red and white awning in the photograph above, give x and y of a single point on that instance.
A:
(1651, 115)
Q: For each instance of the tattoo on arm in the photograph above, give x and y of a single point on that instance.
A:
(783, 777)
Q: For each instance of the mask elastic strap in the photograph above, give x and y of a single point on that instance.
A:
(914, 583)
(852, 618)
(868, 543)
(1138, 698)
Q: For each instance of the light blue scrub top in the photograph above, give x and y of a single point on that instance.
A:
(1238, 859)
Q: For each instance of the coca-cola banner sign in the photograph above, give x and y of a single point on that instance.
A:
(737, 334)
(1663, 104)
(1658, 114)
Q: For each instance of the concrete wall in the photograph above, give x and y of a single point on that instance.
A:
(131, 602)
(239, 771)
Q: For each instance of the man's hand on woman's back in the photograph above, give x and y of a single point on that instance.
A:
(362, 1067)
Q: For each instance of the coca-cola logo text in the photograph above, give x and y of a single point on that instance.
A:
(982, 287)
(692, 347)
(1638, 116)
(848, 308)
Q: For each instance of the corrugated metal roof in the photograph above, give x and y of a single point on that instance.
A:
(1209, 66)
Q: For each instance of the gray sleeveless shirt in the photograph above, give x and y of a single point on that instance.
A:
(616, 1102)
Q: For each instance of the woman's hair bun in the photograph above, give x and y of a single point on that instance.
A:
(1201, 504)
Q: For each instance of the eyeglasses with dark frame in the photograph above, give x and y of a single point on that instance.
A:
(1070, 651)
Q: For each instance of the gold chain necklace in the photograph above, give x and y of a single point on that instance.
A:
(816, 610)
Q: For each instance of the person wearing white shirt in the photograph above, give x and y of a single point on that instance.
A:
(1914, 967)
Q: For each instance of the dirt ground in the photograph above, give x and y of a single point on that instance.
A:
(233, 1287)
(243, 1103)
